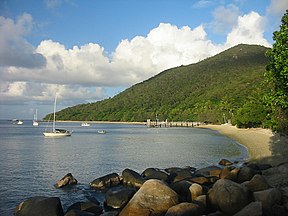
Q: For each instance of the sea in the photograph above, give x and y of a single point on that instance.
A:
(30, 164)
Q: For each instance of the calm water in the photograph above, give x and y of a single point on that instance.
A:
(30, 163)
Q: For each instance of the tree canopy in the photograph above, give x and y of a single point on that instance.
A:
(276, 77)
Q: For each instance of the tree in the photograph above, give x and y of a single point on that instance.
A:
(276, 77)
(253, 112)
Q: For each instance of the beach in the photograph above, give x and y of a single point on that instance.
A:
(262, 144)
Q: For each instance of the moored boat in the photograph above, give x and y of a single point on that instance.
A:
(85, 124)
(56, 132)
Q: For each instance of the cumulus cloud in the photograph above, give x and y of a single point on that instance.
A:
(82, 73)
(14, 49)
(249, 30)
(225, 18)
(277, 7)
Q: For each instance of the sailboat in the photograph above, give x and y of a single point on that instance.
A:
(56, 132)
(35, 122)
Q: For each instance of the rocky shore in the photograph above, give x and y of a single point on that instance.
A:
(224, 189)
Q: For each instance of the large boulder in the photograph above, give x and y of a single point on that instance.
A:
(68, 179)
(36, 206)
(252, 209)
(132, 178)
(153, 198)
(209, 171)
(228, 196)
(90, 207)
(195, 190)
(76, 212)
(179, 174)
(153, 173)
(245, 174)
(184, 209)
(229, 172)
(182, 189)
(277, 176)
(257, 183)
(118, 197)
(268, 198)
(106, 181)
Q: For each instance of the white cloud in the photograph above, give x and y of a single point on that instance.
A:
(202, 4)
(249, 30)
(225, 18)
(82, 73)
(277, 7)
(14, 49)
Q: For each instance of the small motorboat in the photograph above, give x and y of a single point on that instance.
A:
(85, 124)
(101, 131)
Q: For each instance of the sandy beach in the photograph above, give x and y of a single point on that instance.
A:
(262, 144)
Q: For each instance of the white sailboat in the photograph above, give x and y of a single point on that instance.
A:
(35, 122)
(56, 132)
(19, 122)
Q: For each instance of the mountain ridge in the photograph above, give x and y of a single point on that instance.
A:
(181, 93)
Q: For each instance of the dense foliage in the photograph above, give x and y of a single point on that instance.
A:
(214, 90)
(276, 77)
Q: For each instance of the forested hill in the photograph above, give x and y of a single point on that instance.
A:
(211, 90)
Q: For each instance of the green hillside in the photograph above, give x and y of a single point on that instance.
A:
(212, 90)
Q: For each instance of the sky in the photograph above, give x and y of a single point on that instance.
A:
(88, 50)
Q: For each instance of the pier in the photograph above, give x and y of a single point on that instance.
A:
(167, 123)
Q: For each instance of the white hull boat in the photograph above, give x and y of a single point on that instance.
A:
(56, 132)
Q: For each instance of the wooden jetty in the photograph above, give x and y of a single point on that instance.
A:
(167, 123)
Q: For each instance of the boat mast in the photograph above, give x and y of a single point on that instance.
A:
(54, 116)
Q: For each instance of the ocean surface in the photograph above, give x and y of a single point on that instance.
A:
(30, 164)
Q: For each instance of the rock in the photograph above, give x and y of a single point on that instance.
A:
(132, 178)
(106, 181)
(182, 189)
(195, 190)
(118, 197)
(68, 179)
(86, 207)
(44, 206)
(269, 198)
(76, 212)
(110, 213)
(257, 183)
(153, 198)
(201, 180)
(228, 196)
(259, 167)
(284, 192)
(277, 176)
(202, 201)
(184, 209)
(245, 174)
(209, 171)
(217, 213)
(225, 162)
(229, 172)
(179, 174)
(252, 209)
(152, 173)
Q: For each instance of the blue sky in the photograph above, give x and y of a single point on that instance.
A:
(90, 50)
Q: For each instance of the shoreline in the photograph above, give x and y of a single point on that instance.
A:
(256, 140)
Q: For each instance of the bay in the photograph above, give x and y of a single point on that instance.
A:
(30, 164)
